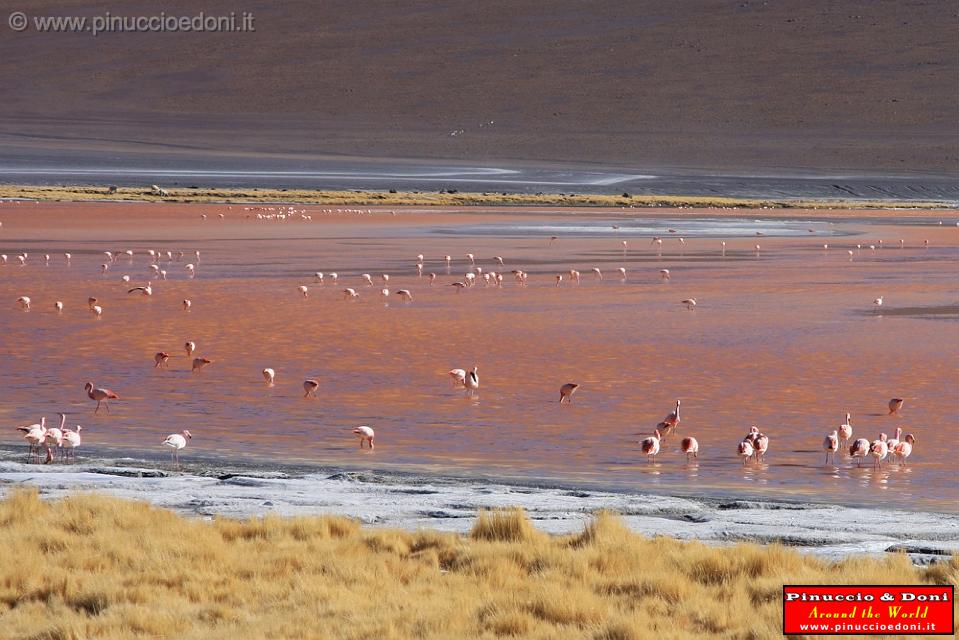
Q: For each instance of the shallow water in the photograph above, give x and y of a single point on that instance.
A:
(786, 338)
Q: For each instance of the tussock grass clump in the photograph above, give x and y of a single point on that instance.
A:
(90, 566)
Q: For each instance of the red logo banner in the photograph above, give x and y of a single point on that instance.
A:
(868, 609)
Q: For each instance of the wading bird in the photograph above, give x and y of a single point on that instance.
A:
(650, 445)
(160, 359)
(189, 347)
(100, 395)
(566, 392)
(147, 290)
(268, 376)
(71, 441)
(366, 434)
(895, 405)
(24, 302)
(177, 441)
(457, 377)
(199, 363)
(35, 434)
(831, 446)
(859, 449)
(310, 386)
(472, 381)
(689, 446)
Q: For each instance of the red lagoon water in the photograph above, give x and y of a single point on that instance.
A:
(786, 338)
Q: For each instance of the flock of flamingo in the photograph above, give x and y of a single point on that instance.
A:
(60, 443)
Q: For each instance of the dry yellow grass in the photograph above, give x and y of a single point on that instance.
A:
(96, 567)
(426, 199)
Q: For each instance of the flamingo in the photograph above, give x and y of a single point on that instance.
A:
(457, 377)
(499, 260)
(160, 359)
(671, 421)
(690, 303)
(664, 274)
(191, 270)
(760, 445)
(35, 434)
(879, 449)
(459, 286)
(104, 268)
(71, 440)
(566, 392)
(269, 375)
(845, 430)
(67, 257)
(97, 310)
(650, 445)
(689, 446)
(304, 290)
(622, 273)
(125, 279)
(189, 347)
(574, 276)
(878, 301)
(745, 449)
(350, 294)
(448, 259)
(54, 436)
(469, 256)
(892, 442)
(24, 302)
(199, 363)
(58, 306)
(100, 395)
(310, 386)
(472, 381)
(147, 290)
(432, 278)
(385, 278)
(904, 448)
(318, 277)
(831, 445)
(599, 274)
(91, 302)
(333, 277)
(859, 449)
(405, 294)
(895, 405)
(187, 304)
(366, 434)
(177, 441)
(385, 294)
(559, 279)
(368, 279)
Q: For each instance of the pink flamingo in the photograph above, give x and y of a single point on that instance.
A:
(366, 434)
(160, 359)
(689, 446)
(904, 448)
(100, 395)
(310, 386)
(71, 440)
(650, 445)
(177, 441)
(35, 434)
(859, 449)
(54, 436)
(831, 445)
(566, 392)
(845, 430)
(879, 449)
